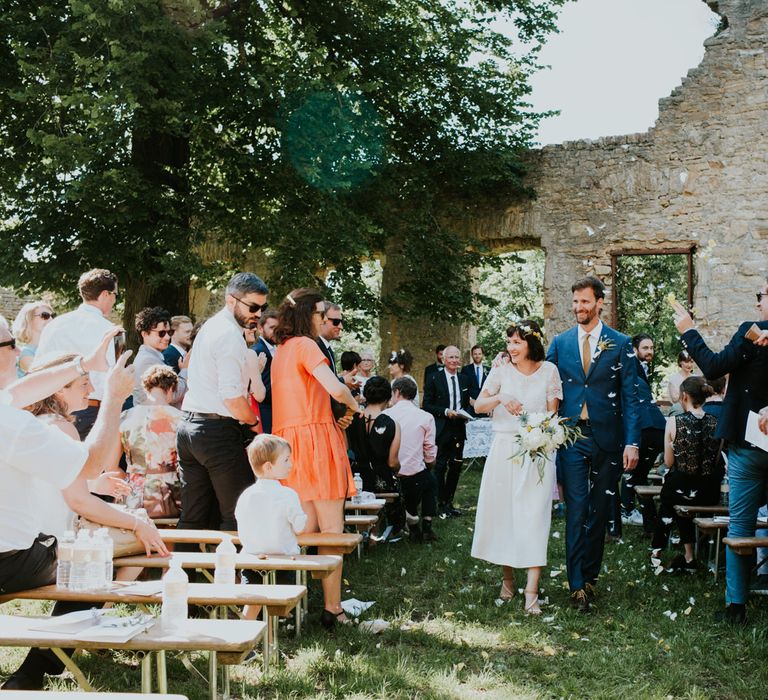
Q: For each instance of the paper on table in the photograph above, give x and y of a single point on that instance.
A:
(116, 629)
(71, 623)
(147, 588)
(753, 434)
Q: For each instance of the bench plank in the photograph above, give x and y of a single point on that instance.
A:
(345, 542)
(746, 545)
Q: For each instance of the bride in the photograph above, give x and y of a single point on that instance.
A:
(514, 506)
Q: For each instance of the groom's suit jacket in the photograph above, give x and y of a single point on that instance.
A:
(609, 387)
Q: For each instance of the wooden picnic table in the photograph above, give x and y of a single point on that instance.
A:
(746, 545)
(226, 641)
(694, 511)
(389, 497)
(373, 506)
(74, 695)
(648, 491)
(275, 600)
(344, 543)
(716, 527)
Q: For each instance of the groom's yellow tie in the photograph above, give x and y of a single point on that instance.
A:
(586, 361)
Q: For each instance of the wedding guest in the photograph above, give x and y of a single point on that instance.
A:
(445, 395)
(714, 404)
(27, 328)
(367, 366)
(181, 341)
(476, 372)
(374, 441)
(436, 366)
(302, 381)
(266, 345)
(514, 507)
(692, 454)
(81, 331)
(148, 435)
(330, 331)
(9, 357)
(416, 456)
(747, 365)
(400, 364)
(218, 420)
(686, 364)
(268, 514)
(600, 395)
(154, 328)
(29, 448)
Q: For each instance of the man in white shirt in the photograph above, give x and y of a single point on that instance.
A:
(154, 327)
(417, 450)
(81, 331)
(218, 419)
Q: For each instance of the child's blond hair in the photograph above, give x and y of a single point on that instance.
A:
(265, 448)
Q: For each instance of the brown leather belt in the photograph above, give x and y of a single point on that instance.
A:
(94, 403)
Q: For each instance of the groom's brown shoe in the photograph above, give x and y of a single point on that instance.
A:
(580, 601)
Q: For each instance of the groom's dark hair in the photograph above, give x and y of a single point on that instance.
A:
(593, 283)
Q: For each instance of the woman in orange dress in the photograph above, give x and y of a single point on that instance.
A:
(302, 382)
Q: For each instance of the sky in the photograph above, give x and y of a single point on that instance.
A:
(613, 60)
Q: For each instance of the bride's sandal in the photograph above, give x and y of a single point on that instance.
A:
(507, 590)
(532, 603)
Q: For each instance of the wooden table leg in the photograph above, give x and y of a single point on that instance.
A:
(146, 673)
(74, 669)
(213, 675)
(162, 674)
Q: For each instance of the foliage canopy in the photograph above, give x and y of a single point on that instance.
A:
(132, 132)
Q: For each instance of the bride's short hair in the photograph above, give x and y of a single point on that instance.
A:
(529, 331)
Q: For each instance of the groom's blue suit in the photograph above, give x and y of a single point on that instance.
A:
(589, 470)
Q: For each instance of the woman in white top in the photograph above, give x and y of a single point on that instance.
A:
(514, 507)
(400, 364)
(686, 364)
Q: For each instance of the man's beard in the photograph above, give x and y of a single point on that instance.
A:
(243, 321)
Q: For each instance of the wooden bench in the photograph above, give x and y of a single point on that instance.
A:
(648, 491)
(717, 527)
(226, 641)
(389, 497)
(697, 511)
(74, 695)
(375, 506)
(275, 601)
(746, 545)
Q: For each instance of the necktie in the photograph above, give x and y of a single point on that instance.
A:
(479, 377)
(455, 393)
(586, 360)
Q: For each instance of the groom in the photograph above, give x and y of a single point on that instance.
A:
(599, 376)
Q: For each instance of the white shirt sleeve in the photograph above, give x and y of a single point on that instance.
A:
(230, 368)
(296, 516)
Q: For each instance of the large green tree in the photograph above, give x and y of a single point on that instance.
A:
(320, 133)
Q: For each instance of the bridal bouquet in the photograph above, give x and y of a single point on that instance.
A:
(540, 435)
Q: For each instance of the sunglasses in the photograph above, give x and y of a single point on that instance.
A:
(46, 315)
(163, 333)
(760, 296)
(9, 344)
(253, 308)
(335, 321)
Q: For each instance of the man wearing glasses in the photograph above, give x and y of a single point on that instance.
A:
(218, 421)
(747, 363)
(81, 331)
(154, 327)
(331, 329)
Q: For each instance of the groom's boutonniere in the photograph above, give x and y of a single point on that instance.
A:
(604, 344)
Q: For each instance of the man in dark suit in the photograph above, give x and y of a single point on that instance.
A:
(600, 394)
(652, 425)
(436, 366)
(476, 373)
(181, 341)
(445, 394)
(266, 344)
(331, 329)
(747, 364)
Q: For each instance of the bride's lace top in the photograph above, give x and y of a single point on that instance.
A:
(533, 391)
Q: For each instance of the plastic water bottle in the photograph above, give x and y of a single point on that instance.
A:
(226, 553)
(724, 491)
(98, 558)
(175, 596)
(358, 487)
(109, 552)
(81, 562)
(64, 565)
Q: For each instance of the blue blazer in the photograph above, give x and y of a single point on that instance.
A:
(474, 388)
(609, 387)
(650, 414)
(171, 357)
(265, 406)
(748, 384)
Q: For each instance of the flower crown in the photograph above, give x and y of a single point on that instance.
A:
(395, 354)
(527, 330)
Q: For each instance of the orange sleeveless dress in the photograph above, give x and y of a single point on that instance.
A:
(301, 414)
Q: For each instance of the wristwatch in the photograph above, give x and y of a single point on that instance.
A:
(79, 366)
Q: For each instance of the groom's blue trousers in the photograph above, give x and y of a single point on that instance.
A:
(590, 476)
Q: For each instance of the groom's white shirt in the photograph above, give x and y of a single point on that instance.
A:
(594, 337)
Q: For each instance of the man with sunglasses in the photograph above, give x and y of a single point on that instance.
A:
(154, 327)
(9, 353)
(330, 330)
(218, 421)
(81, 332)
(747, 364)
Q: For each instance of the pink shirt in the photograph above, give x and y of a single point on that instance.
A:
(417, 437)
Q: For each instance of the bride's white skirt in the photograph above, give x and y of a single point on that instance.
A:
(514, 509)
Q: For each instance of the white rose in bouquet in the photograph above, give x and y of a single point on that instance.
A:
(536, 419)
(534, 439)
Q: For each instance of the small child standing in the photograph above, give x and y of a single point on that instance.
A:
(268, 514)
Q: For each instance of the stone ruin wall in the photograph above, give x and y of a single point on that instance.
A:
(700, 174)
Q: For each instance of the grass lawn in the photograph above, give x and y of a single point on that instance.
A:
(449, 639)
